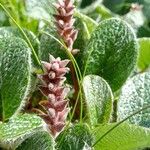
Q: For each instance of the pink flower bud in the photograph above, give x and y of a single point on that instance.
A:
(59, 126)
(51, 86)
(61, 105)
(63, 63)
(61, 11)
(52, 98)
(61, 3)
(51, 112)
(55, 66)
(75, 51)
(52, 74)
(74, 35)
(68, 3)
(63, 115)
(46, 65)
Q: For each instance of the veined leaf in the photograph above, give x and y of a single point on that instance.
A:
(85, 25)
(50, 46)
(18, 129)
(99, 99)
(124, 137)
(40, 9)
(15, 73)
(76, 138)
(135, 95)
(40, 140)
(15, 32)
(111, 52)
(90, 23)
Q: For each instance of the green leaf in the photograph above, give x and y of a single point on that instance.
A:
(50, 46)
(18, 129)
(82, 39)
(124, 137)
(40, 9)
(15, 75)
(90, 23)
(76, 138)
(38, 141)
(3, 18)
(104, 12)
(111, 52)
(99, 99)
(144, 56)
(83, 35)
(15, 32)
(135, 95)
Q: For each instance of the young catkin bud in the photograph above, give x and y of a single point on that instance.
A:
(64, 22)
(56, 105)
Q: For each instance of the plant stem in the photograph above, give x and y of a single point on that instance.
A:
(74, 79)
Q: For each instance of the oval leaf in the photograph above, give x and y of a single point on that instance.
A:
(15, 32)
(38, 141)
(99, 99)
(15, 70)
(42, 10)
(75, 138)
(124, 137)
(111, 52)
(50, 46)
(17, 129)
(135, 95)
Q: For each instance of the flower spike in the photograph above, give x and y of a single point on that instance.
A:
(64, 22)
(53, 88)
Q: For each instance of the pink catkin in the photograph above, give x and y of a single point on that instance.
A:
(56, 105)
(64, 22)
